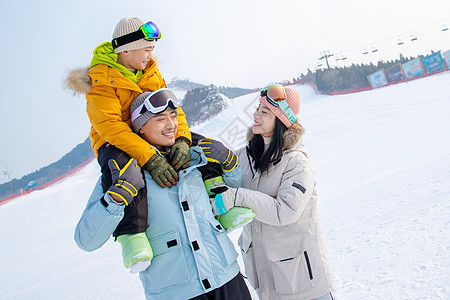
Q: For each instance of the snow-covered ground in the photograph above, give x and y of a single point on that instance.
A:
(382, 162)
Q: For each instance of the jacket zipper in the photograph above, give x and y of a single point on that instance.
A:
(308, 265)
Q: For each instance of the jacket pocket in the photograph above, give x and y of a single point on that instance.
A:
(168, 266)
(227, 247)
(293, 274)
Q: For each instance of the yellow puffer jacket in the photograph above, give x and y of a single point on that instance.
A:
(109, 95)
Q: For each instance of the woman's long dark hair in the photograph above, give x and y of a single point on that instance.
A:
(255, 148)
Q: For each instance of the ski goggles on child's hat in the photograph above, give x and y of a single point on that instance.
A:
(149, 31)
(155, 103)
(276, 95)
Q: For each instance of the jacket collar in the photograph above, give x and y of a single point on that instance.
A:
(292, 140)
(79, 80)
(104, 54)
(198, 158)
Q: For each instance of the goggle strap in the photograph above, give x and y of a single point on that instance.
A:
(284, 106)
(140, 110)
(128, 38)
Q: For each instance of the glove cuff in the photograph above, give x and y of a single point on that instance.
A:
(121, 193)
(231, 162)
(218, 205)
(184, 139)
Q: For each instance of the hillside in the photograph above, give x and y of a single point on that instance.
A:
(78, 155)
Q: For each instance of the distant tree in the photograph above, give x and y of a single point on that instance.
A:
(332, 79)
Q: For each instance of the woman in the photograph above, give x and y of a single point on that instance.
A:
(283, 248)
(193, 257)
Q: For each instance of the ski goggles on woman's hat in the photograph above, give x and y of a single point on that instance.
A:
(149, 31)
(155, 103)
(276, 95)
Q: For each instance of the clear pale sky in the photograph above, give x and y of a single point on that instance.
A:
(227, 43)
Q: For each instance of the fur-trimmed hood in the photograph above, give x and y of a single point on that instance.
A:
(291, 136)
(78, 81)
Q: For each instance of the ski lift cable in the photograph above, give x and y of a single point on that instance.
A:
(397, 34)
(388, 38)
(347, 50)
(415, 29)
(407, 25)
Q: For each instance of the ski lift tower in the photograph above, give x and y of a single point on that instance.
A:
(9, 179)
(325, 54)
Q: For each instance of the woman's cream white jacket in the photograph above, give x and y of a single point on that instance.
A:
(283, 248)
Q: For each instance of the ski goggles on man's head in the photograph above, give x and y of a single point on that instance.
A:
(149, 31)
(155, 103)
(276, 95)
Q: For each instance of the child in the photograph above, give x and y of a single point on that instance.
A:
(119, 72)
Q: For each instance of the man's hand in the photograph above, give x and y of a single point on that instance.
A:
(163, 173)
(179, 156)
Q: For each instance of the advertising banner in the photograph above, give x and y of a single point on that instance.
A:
(395, 74)
(434, 63)
(413, 68)
(377, 79)
(447, 57)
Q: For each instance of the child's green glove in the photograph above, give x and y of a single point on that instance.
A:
(126, 181)
(215, 151)
(162, 172)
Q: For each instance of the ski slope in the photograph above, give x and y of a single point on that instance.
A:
(382, 163)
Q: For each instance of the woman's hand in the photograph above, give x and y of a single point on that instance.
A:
(223, 202)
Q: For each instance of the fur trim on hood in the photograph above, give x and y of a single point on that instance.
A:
(291, 136)
(78, 81)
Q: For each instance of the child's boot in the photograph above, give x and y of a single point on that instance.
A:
(235, 218)
(215, 186)
(136, 251)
